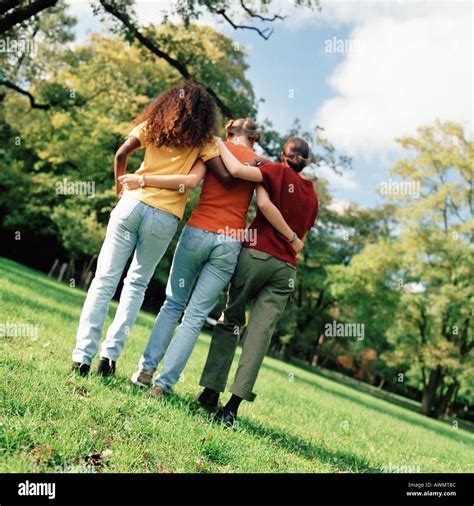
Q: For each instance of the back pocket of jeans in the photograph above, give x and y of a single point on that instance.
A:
(226, 254)
(191, 238)
(163, 224)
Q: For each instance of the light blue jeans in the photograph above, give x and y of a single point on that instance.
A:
(202, 266)
(133, 227)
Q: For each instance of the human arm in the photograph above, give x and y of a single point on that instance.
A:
(260, 160)
(121, 159)
(275, 218)
(236, 168)
(217, 167)
(168, 181)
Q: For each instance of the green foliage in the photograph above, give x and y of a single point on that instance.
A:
(79, 229)
(94, 91)
(423, 277)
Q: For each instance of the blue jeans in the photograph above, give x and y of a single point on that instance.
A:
(202, 266)
(133, 227)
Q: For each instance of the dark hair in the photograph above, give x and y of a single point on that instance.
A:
(296, 151)
(183, 116)
(243, 126)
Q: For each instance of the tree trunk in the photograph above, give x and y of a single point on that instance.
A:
(86, 270)
(62, 271)
(53, 268)
(429, 394)
(71, 271)
(445, 400)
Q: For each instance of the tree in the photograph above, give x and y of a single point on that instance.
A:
(15, 12)
(427, 276)
(93, 92)
(19, 18)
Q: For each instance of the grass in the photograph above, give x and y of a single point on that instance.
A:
(300, 421)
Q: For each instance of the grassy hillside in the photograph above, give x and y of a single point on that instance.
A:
(300, 422)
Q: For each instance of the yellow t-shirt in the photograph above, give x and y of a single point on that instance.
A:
(167, 160)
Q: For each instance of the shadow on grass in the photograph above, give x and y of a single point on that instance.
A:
(411, 417)
(49, 287)
(290, 443)
(346, 462)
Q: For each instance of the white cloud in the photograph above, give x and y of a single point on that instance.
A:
(339, 206)
(413, 65)
(339, 182)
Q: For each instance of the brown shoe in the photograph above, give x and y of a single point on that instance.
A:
(142, 378)
(158, 392)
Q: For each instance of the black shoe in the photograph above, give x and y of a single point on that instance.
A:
(80, 368)
(106, 367)
(227, 417)
(208, 398)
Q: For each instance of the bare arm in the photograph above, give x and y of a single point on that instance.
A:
(217, 167)
(121, 159)
(275, 218)
(236, 168)
(170, 182)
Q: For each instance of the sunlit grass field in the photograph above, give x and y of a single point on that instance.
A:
(300, 421)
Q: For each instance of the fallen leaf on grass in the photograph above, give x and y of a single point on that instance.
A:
(106, 453)
(81, 392)
(93, 460)
(43, 454)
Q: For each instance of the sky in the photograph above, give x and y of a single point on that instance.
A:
(368, 72)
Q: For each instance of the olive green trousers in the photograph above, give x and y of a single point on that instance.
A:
(267, 282)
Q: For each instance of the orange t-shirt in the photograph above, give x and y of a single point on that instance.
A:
(224, 210)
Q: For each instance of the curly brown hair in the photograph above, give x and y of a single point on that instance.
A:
(183, 116)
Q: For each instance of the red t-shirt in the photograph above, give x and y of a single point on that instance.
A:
(297, 201)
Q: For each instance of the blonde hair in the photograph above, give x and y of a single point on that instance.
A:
(243, 126)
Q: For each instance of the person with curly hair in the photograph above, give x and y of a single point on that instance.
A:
(176, 131)
(204, 260)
